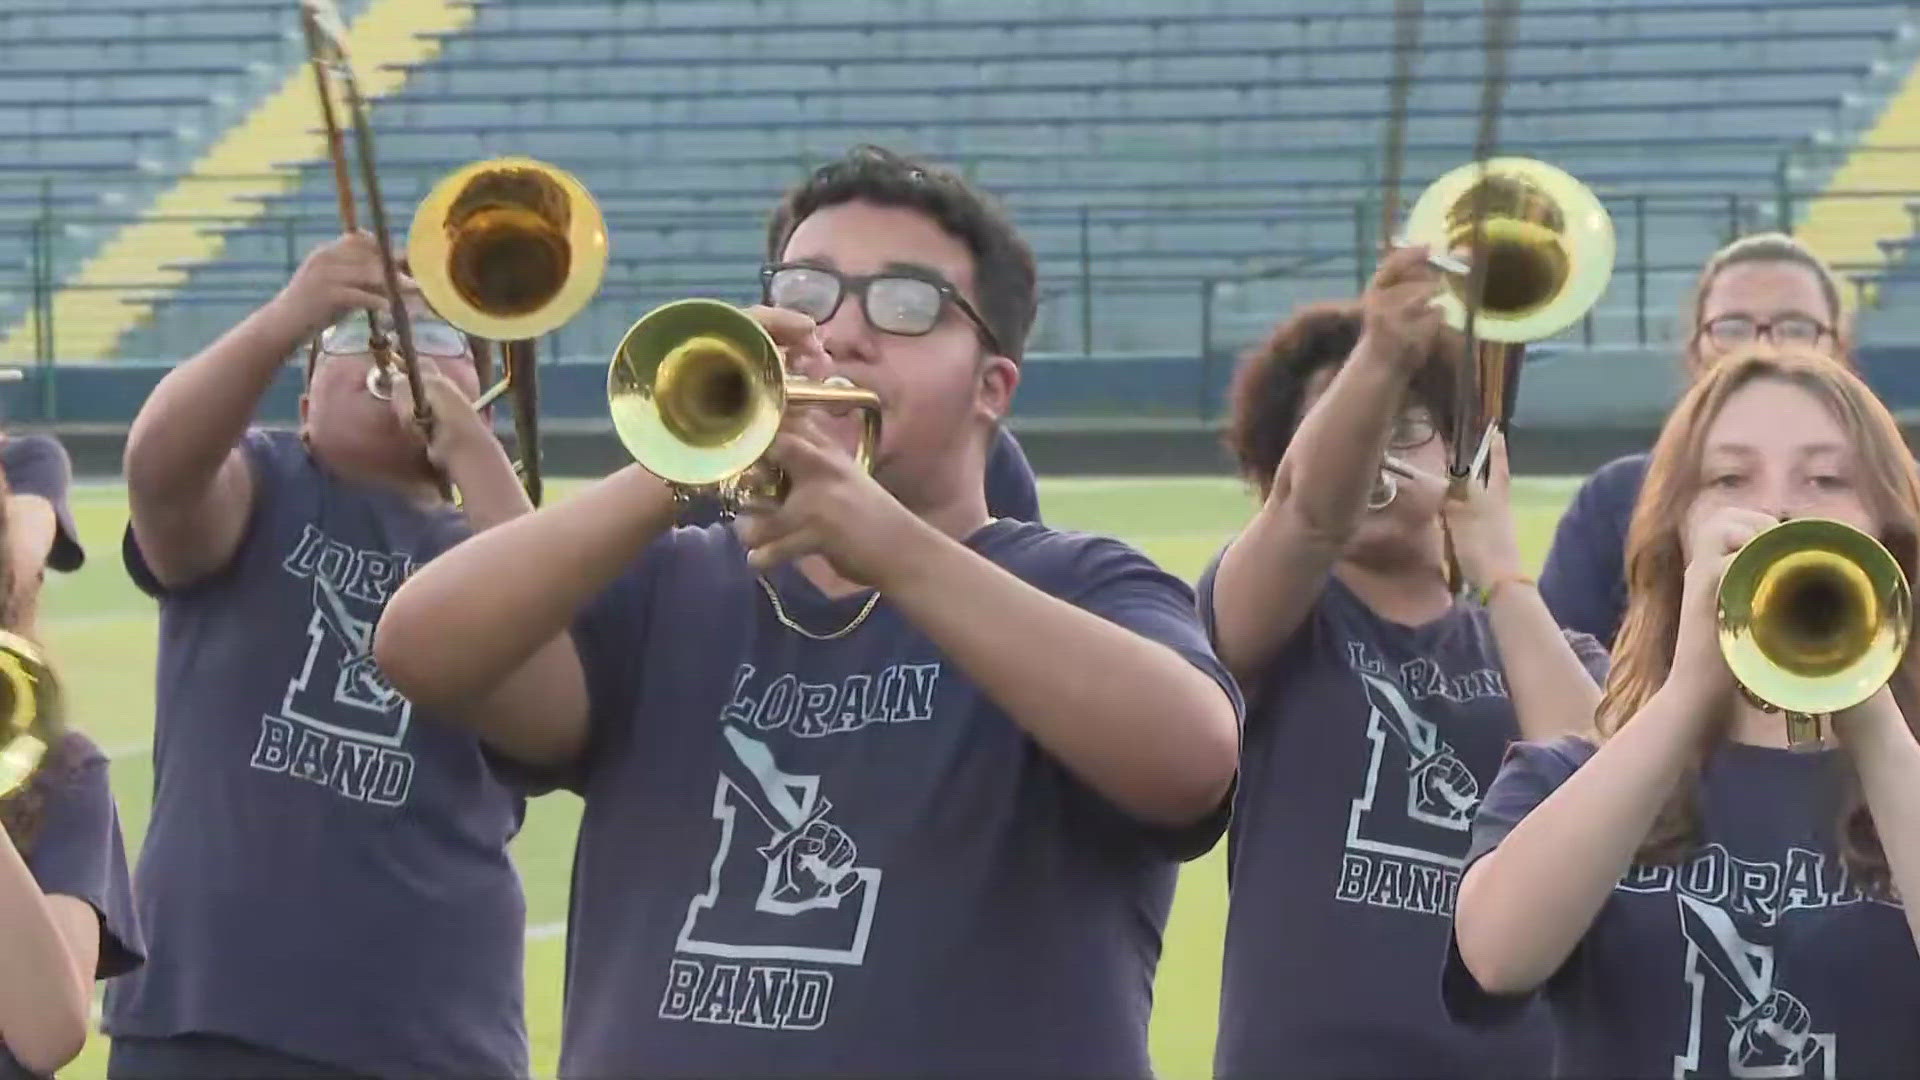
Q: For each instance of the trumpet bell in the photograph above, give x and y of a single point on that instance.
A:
(1814, 616)
(1549, 246)
(695, 391)
(27, 716)
(508, 248)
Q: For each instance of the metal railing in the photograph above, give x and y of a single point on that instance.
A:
(1096, 280)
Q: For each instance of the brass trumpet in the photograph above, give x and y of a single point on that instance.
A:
(697, 390)
(29, 712)
(1813, 618)
(1540, 251)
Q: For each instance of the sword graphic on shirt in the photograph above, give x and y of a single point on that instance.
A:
(340, 723)
(1441, 790)
(361, 680)
(784, 892)
(784, 882)
(809, 859)
(1770, 1032)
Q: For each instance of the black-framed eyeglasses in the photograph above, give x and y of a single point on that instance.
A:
(895, 302)
(1411, 430)
(1730, 331)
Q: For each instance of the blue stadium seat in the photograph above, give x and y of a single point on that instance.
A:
(1161, 149)
(113, 98)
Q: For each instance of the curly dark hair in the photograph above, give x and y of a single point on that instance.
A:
(1270, 384)
(23, 812)
(1005, 279)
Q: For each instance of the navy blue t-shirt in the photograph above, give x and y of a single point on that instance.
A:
(39, 465)
(76, 849)
(326, 871)
(1367, 746)
(1584, 580)
(1011, 490)
(1755, 957)
(838, 858)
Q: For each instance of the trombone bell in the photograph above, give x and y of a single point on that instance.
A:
(1813, 617)
(697, 391)
(1549, 246)
(508, 248)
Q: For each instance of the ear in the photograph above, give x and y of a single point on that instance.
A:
(998, 378)
(306, 401)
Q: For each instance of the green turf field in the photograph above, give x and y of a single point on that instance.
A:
(101, 631)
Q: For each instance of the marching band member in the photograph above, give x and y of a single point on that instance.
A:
(1762, 288)
(66, 909)
(1690, 897)
(325, 884)
(875, 784)
(1379, 701)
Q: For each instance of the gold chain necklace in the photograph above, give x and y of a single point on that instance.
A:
(780, 612)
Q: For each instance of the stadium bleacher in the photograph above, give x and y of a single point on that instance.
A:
(1185, 172)
(104, 103)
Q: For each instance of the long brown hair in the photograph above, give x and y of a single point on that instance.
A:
(1656, 569)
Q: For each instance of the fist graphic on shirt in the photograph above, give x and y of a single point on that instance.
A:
(369, 686)
(1777, 1033)
(1444, 788)
(817, 864)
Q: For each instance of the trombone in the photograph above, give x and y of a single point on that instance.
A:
(326, 35)
(1540, 251)
(1813, 617)
(697, 390)
(504, 249)
(29, 712)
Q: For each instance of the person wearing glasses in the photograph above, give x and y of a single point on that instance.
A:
(875, 785)
(1379, 699)
(325, 884)
(1761, 291)
(908, 305)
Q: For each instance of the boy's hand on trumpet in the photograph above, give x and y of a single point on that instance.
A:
(833, 507)
(797, 336)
